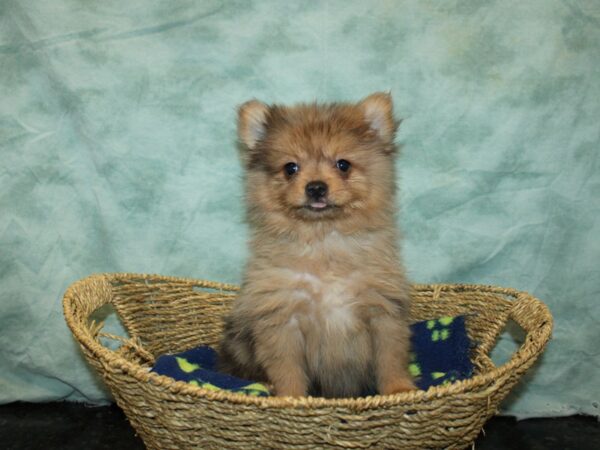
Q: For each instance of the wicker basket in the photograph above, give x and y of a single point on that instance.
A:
(164, 314)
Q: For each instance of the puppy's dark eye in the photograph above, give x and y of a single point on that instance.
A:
(291, 168)
(343, 165)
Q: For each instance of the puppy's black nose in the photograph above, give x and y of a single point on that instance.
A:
(316, 190)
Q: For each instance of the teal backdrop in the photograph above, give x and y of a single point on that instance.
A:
(117, 147)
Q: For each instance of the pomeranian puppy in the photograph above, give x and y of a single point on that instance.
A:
(324, 304)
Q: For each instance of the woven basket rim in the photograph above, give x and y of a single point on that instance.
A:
(491, 378)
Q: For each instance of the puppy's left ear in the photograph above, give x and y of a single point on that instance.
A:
(252, 123)
(378, 110)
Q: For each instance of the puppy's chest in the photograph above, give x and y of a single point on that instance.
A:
(325, 300)
(326, 282)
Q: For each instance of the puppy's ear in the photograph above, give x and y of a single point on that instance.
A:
(379, 113)
(252, 123)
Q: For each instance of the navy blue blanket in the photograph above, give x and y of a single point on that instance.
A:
(440, 355)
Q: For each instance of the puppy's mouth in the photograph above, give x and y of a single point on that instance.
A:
(319, 206)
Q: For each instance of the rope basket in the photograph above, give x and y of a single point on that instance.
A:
(168, 315)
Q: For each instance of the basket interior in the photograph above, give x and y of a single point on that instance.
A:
(173, 316)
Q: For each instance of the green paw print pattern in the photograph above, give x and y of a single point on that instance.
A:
(414, 368)
(186, 366)
(440, 330)
(254, 389)
(437, 375)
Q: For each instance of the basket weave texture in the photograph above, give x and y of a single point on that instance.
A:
(166, 315)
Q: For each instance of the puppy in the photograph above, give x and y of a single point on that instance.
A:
(323, 308)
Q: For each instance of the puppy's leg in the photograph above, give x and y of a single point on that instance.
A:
(391, 341)
(280, 351)
(237, 352)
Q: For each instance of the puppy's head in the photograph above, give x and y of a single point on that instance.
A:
(316, 163)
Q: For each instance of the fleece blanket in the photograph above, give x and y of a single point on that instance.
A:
(117, 145)
(439, 355)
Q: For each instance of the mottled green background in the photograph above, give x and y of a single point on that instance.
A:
(117, 154)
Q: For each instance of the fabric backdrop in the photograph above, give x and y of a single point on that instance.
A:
(117, 141)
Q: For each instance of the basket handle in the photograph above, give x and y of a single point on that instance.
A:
(127, 345)
(80, 301)
(132, 344)
(532, 315)
(535, 319)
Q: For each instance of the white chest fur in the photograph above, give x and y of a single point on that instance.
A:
(327, 300)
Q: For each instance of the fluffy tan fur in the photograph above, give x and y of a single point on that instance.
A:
(323, 308)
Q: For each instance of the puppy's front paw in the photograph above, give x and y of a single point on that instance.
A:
(397, 386)
(296, 390)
